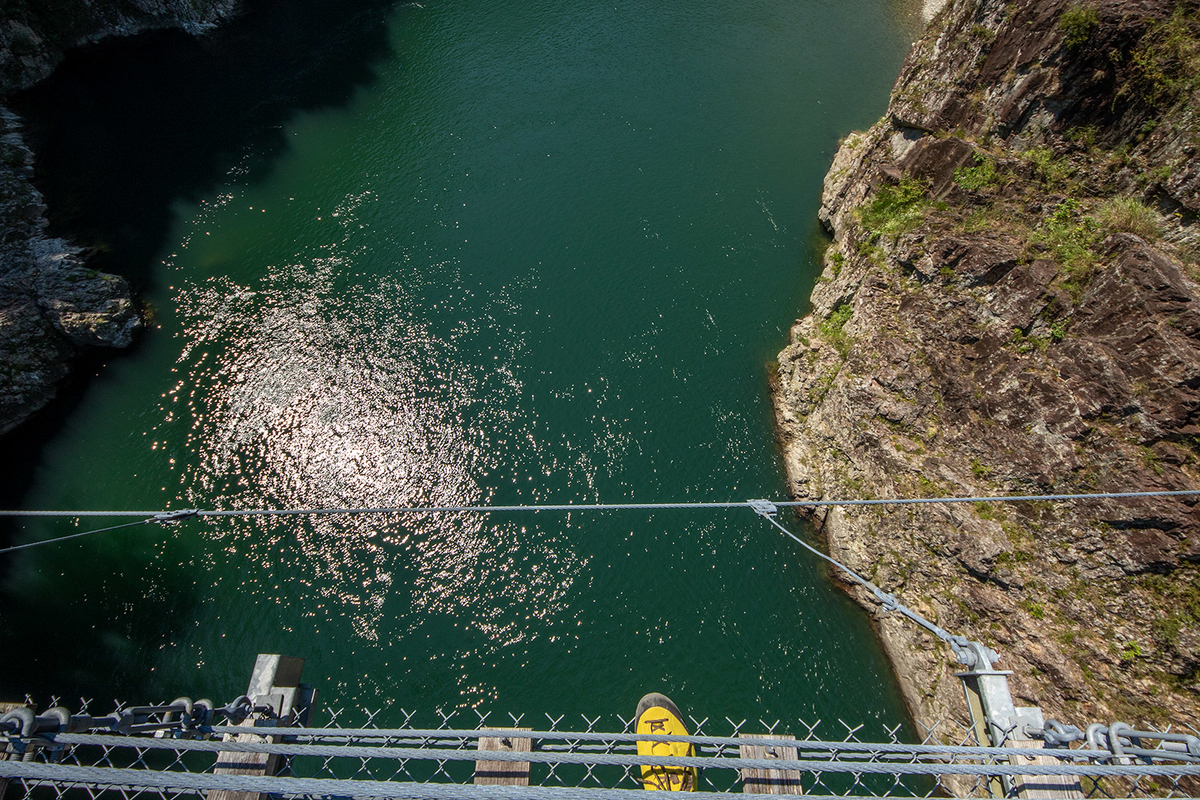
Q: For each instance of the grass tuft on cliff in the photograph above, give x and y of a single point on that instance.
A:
(896, 209)
(1129, 215)
(1070, 235)
(1078, 23)
(981, 176)
(1167, 59)
(833, 329)
(1050, 168)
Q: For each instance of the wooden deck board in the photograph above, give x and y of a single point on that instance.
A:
(1042, 787)
(769, 781)
(503, 773)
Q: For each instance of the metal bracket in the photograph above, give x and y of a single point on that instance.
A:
(979, 658)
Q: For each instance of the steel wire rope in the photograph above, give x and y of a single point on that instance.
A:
(569, 507)
(180, 514)
(14, 769)
(839, 751)
(888, 601)
(319, 787)
(74, 535)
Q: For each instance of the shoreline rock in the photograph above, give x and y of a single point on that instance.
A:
(53, 308)
(33, 40)
(930, 8)
(1010, 305)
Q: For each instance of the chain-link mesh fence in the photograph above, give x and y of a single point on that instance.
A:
(185, 749)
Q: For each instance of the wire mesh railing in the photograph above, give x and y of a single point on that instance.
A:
(183, 749)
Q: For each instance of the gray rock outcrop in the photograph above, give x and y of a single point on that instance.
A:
(35, 35)
(52, 307)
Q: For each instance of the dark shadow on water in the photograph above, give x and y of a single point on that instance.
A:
(125, 128)
(122, 131)
(101, 638)
(16, 470)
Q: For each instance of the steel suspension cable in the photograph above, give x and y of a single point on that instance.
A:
(73, 536)
(571, 507)
(167, 516)
(403, 741)
(888, 601)
(17, 769)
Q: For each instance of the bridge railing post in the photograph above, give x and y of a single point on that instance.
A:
(999, 723)
(274, 683)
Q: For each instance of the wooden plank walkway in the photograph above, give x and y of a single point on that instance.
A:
(1042, 787)
(503, 773)
(769, 781)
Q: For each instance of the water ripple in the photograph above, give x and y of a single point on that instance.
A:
(315, 394)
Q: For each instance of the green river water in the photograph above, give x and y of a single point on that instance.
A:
(451, 252)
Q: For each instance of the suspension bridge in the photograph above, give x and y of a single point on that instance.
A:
(265, 744)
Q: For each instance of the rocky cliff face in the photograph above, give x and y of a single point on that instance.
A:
(52, 307)
(35, 33)
(1010, 305)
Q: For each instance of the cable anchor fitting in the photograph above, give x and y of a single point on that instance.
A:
(886, 599)
(168, 517)
(974, 655)
(764, 508)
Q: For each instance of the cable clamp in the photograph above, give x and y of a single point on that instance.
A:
(887, 600)
(1055, 733)
(18, 722)
(175, 516)
(764, 508)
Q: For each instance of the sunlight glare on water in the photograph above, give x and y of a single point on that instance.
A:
(323, 393)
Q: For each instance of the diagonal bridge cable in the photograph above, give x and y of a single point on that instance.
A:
(73, 536)
(959, 644)
(159, 517)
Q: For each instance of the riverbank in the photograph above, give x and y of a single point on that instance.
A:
(53, 308)
(1009, 305)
